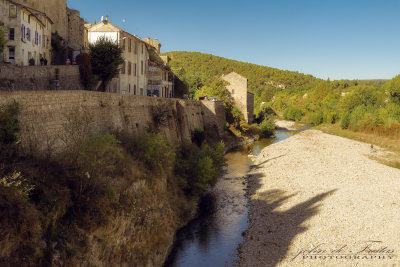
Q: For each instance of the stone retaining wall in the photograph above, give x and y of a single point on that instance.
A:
(51, 119)
(35, 78)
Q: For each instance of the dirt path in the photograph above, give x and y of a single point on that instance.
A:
(319, 200)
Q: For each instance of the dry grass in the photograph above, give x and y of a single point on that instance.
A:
(389, 143)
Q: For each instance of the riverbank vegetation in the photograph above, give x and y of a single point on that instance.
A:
(61, 210)
(367, 106)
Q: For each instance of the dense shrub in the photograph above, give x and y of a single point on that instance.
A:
(9, 127)
(197, 168)
(267, 127)
(100, 153)
(316, 118)
(358, 117)
(364, 95)
(393, 110)
(332, 117)
(345, 122)
(293, 113)
(266, 111)
(393, 87)
(151, 148)
(237, 117)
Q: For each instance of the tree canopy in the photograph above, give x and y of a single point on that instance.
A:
(198, 70)
(393, 87)
(106, 59)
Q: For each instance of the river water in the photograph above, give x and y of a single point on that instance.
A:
(213, 237)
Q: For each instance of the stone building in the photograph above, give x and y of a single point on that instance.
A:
(29, 34)
(243, 99)
(133, 75)
(56, 10)
(153, 43)
(67, 23)
(77, 32)
(160, 78)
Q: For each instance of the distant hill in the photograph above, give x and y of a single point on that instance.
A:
(197, 69)
(206, 67)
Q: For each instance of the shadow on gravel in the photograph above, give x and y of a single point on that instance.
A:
(271, 232)
(257, 166)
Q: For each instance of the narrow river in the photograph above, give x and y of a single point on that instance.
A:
(213, 237)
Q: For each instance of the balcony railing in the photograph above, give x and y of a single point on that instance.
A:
(166, 83)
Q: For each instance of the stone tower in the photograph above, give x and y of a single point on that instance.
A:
(243, 99)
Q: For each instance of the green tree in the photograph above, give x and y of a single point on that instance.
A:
(3, 39)
(362, 95)
(85, 70)
(393, 87)
(106, 59)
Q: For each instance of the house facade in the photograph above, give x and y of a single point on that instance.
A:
(29, 35)
(133, 75)
(243, 99)
(56, 10)
(160, 79)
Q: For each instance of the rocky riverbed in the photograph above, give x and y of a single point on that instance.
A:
(320, 200)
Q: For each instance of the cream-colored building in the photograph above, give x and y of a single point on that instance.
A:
(29, 34)
(67, 22)
(133, 75)
(56, 10)
(160, 79)
(243, 99)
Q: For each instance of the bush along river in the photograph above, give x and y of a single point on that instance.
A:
(213, 237)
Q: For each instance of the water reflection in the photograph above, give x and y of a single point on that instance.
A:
(212, 238)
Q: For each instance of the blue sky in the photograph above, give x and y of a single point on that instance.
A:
(349, 39)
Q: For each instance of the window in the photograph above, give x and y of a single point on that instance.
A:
(129, 45)
(23, 32)
(11, 34)
(129, 68)
(141, 91)
(134, 89)
(28, 34)
(141, 67)
(123, 68)
(11, 55)
(123, 44)
(135, 47)
(135, 70)
(142, 49)
(13, 11)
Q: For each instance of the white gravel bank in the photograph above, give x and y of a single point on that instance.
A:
(318, 200)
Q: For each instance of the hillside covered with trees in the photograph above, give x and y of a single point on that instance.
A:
(359, 105)
(198, 69)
